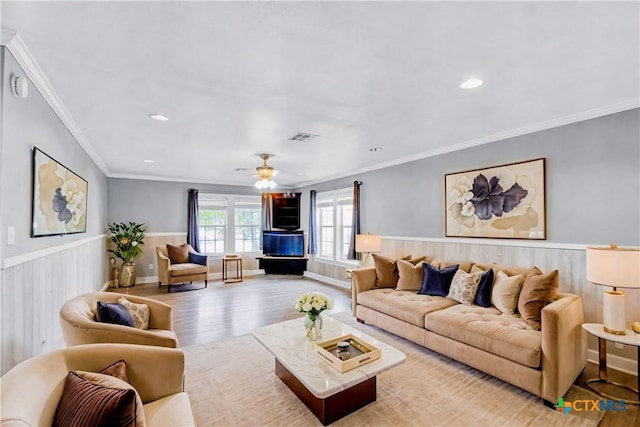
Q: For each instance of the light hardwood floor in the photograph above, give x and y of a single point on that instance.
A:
(225, 310)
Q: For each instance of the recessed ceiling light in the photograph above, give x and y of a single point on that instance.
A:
(158, 117)
(241, 169)
(374, 149)
(471, 84)
(149, 161)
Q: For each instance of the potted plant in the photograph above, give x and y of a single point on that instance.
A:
(128, 239)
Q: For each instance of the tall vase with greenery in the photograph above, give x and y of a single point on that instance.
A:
(127, 239)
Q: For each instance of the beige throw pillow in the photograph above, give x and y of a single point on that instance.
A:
(410, 275)
(505, 291)
(538, 290)
(140, 313)
(464, 287)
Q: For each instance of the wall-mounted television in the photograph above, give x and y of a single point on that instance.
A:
(283, 243)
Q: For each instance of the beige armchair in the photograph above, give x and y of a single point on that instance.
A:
(30, 392)
(79, 325)
(170, 273)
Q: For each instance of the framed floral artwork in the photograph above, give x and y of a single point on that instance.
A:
(59, 198)
(504, 202)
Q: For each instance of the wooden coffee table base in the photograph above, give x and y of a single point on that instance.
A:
(334, 407)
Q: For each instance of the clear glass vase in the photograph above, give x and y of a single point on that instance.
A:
(313, 326)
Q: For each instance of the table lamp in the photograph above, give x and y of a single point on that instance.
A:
(618, 268)
(367, 244)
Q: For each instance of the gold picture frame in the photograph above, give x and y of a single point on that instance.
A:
(500, 202)
(59, 198)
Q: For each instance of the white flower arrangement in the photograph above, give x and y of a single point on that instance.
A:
(313, 303)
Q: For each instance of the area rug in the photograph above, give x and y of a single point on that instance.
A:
(232, 383)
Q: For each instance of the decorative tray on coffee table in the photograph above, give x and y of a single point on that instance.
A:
(360, 351)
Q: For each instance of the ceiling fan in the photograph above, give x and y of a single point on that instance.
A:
(265, 174)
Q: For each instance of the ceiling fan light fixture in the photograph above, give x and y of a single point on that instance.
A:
(265, 173)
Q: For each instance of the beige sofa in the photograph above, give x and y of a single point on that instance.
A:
(544, 362)
(30, 392)
(79, 325)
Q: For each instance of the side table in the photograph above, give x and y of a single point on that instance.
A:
(631, 338)
(225, 269)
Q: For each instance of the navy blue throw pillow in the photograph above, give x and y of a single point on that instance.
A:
(483, 296)
(195, 258)
(114, 313)
(436, 282)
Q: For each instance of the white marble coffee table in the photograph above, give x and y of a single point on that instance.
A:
(329, 394)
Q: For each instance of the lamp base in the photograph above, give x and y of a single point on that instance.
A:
(613, 316)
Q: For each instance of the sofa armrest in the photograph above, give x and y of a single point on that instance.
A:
(564, 353)
(363, 279)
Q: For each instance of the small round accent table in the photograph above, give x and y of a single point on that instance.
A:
(631, 338)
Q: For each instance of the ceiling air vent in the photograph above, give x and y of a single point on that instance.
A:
(303, 137)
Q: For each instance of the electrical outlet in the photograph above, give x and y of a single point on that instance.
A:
(618, 345)
(150, 266)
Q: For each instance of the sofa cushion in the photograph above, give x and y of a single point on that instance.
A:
(386, 271)
(436, 282)
(113, 313)
(505, 291)
(489, 330)
(186, 269)
(464, 287)
(178, 254)
(139, 313)
(483, 295)
(410, 275)
(84, 403)
(174, 410)
(537, 291)
(404, 305)
(509, 270)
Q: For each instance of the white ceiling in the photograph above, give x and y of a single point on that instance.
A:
(240, 78)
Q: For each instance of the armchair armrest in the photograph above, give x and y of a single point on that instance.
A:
(564, 353)
(363, 279)
(164, 263)
(155, 372)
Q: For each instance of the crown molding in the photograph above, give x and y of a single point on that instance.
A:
(192, 181)
(593, 113)
(14, 43)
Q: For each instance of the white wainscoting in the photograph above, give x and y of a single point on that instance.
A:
(569, 259)
(34, 286)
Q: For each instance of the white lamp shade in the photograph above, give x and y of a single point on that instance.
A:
(617, 267)
(368, 243)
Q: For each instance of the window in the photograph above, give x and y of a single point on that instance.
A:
(334, 213)
(229, 223)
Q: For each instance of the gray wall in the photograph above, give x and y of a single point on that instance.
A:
(160, 205)
(592, 183)
(31, 122)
